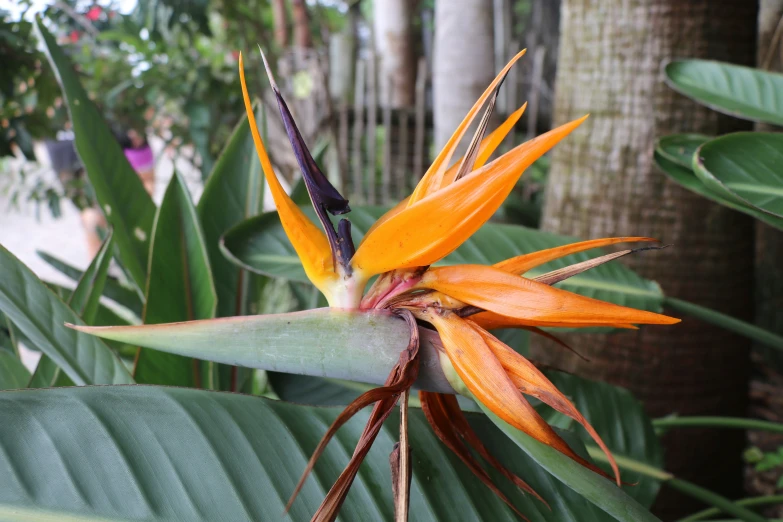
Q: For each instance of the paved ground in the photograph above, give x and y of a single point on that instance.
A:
(23, 230)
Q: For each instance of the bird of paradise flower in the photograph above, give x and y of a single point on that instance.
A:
(463, 302)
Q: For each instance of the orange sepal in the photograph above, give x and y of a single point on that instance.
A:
(530, 381)
(521, 264)
(487, 147)
(542, 305)
(432, 228)
(484, 376)
(491, 320)
(431, 181)
(308, 240)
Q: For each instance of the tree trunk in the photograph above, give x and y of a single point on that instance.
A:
(394, 45)
(301, 25)
(463, 62)
(769, 240)
(603, 183)
(281, 23)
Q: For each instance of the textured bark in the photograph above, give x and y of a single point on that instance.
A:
(463, 62)
(302, 37)
(603, 183)
(394, 45)
(769, 240)
(281, 23)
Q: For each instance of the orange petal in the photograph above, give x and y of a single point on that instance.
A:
(396, 209)
(432, 228)
(491, 320)
(521, 264)
(513, 296)
(431, 181)
(487, 147)
(308, 240)
(530, 381)
(486, 379)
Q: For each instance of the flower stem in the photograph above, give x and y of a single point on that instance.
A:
(718, 422)
(683, 486)
(402, 500)
(755, 501)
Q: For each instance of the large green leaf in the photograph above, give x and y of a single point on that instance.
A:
(180, 286)
(121, 294)
(128, 208)
(680, 148)
(745, 167)
(41, 316)
(615, 414)
(685, 177)
(13, 373)
(260, 244)
(740, 91)
(580, 479)
(234, 192)
(335, 343)
(149, 453)
(85, 301)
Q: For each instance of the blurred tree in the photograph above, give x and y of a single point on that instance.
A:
(769, 241)
(302, 37)
(281, 23)
(602, 183)
(463, 62)
(392, 20)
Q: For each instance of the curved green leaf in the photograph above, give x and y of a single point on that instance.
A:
(680, 148)
(128, 208)
(13, 373)
(85, 301)
(233, 192)
(739, 91)
(622, 423)
(121, 294)
(150, 453)
(41, 317)
(260, 244)
(592, 487)
(336, 343)
(179, 288)
(686, 178)
(745, 167)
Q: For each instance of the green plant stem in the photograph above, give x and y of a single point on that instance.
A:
(755, 501)
(683, 486)
(718, 422)
(726, 322)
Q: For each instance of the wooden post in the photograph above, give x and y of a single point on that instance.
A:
(388, 132)
(402, 160)
(358, 131)
(372, 127)
(418, 151)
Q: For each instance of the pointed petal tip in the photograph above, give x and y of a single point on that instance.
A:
(268, 70)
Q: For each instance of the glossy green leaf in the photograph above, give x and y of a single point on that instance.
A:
(41, 316)
(689, 180)
(8, 336)
(118, 292)
(739, 91)
(597, 490)
(680, 148)
(260, 244)
(744, 167)
(86, 296)
(334, 343)
(615, 414)
(84, 300)
(180, 286)
(622, 423)
(234, 192)
(128, 208)
(180, 454)
(13, 373)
